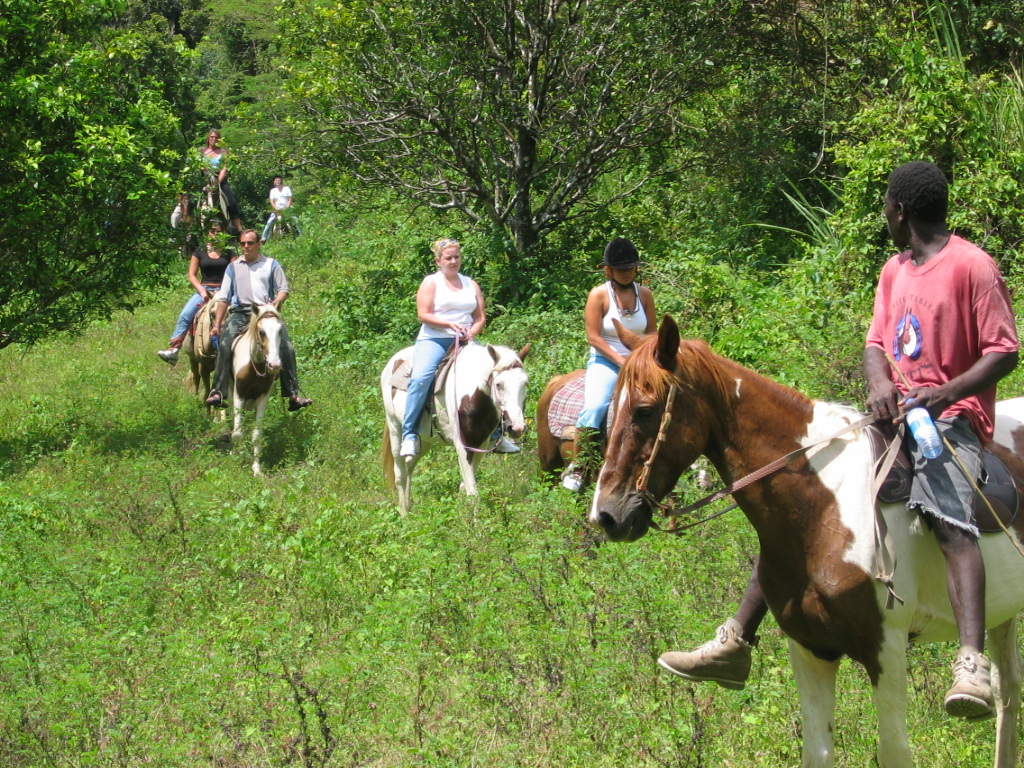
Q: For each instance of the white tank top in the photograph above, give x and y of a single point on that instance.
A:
(451, 306)
(636, 322)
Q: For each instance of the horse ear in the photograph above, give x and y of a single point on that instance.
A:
(668, 343)
(495, 356)
(255, 308)
(524, 351)
(627, 337)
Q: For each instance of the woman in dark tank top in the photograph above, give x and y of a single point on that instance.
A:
(206, 272)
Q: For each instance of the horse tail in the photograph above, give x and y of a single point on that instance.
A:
(388, 458)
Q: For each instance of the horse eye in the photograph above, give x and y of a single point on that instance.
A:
(643, 412)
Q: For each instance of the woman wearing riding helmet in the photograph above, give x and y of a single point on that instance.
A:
(620, 298)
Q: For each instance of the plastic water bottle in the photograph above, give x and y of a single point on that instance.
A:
(923, 429)
(215, 342)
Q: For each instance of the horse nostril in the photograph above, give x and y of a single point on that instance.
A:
(605, 521)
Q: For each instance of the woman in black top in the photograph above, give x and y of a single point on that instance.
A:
(205, 272)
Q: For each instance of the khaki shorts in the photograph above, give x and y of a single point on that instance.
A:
(940, 489)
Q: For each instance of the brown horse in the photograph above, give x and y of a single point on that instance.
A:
(556, 451)
(202, 355)
(556, 430)
(815, 521)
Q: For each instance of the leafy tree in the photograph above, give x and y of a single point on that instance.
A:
(507, 112)
(84, 132)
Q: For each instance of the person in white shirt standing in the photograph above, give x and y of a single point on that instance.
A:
(280, 201)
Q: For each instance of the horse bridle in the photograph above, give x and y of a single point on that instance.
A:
(641, 482)
(667, 509)
(255, 346)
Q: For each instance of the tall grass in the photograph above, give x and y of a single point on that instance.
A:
(161, 606)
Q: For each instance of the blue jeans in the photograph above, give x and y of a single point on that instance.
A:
(426, 356)
(188, 313)
(268, 229)
(598, 386)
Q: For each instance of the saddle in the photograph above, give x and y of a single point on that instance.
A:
(996, 484)
(200, 330)
(565, 408)
(401, 375)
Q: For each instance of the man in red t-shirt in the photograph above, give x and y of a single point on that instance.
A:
(943, 314)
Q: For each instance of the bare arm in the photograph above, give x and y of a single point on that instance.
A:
(647, 299)
(218, 316)
(883, 397)
(479, 315)
(193, 277)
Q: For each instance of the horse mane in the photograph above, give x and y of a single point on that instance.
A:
(261, 311)
(697, 371)
(507, 359)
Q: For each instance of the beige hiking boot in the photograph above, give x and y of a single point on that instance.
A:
(971, 694)
(724, 660)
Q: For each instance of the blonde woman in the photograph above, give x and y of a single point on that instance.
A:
(450, 306)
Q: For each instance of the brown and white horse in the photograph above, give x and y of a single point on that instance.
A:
(256, 362)
(814, 520)
(485, 388)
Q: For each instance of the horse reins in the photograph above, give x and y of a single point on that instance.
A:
(667, 509)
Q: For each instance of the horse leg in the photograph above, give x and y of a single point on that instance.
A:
(236, 404)
(257, 436)
(890, 695)
(467, 460)
(403, 481)
(1005, 655)
(816, 685)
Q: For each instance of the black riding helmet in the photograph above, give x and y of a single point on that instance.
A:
(620, 253)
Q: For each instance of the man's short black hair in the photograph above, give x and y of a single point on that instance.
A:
(922, 189)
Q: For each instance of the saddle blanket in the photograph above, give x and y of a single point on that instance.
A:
(565, 407)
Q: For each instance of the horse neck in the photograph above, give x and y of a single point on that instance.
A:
(763, 420)
(473, 370)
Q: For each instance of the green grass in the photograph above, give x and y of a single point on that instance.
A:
(161, 606)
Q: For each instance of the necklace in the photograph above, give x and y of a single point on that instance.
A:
(618, 302)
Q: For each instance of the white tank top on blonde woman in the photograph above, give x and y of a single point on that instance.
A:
(451, 306)
(635, 322)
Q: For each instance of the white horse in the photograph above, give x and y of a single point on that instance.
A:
(256, 362)
(485, 388)
(815, 522)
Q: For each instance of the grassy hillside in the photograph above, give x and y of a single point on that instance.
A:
(161, 606)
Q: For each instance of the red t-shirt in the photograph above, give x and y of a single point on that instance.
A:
(939, 319)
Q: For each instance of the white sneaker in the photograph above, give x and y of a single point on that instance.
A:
(573, 479)
(168, 355)
(504, 445)
(410, 446)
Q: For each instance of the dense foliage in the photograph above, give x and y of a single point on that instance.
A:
(88, 138)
